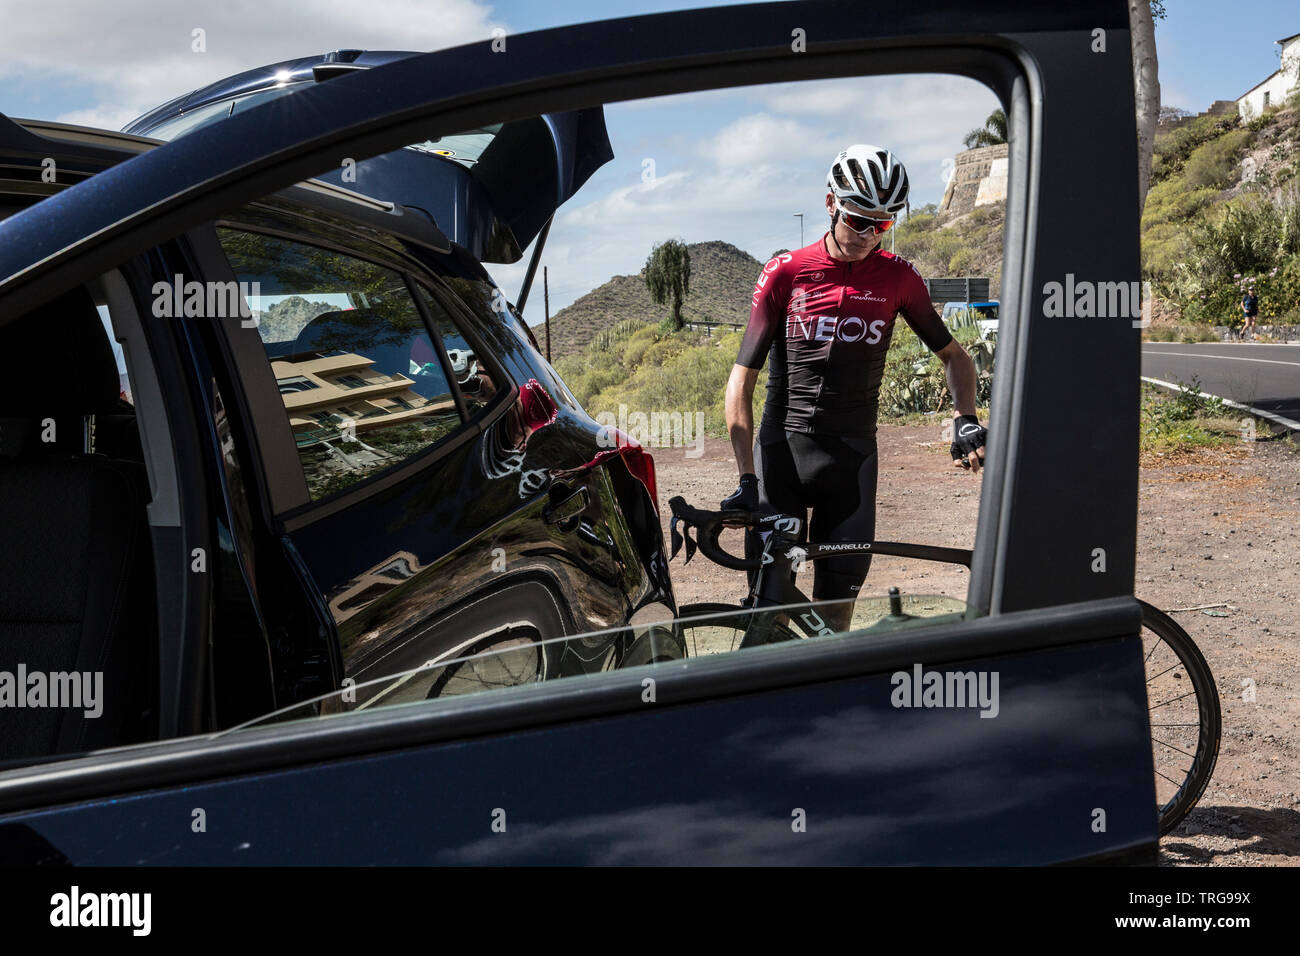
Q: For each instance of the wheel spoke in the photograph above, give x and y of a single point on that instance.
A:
(1173, 700)
(1172, 666)
(1172, 780)
(1172, 747)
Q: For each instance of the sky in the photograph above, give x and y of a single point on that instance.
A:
(734, 165)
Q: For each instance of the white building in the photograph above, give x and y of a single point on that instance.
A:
(1274, 90)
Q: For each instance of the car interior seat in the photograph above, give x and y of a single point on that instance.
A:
(76, 569)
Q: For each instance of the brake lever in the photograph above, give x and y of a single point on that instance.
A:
(677, 539)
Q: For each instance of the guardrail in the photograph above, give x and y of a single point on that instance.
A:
(708, 327)
(959, 289)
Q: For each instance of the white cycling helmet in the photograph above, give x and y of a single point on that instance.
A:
(870, 177)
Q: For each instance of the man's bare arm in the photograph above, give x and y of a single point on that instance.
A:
(960, 370)
(740, 415)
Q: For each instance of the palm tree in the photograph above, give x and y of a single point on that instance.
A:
(993, 132)
(668, 277)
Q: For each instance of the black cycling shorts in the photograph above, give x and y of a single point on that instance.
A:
(835, 476)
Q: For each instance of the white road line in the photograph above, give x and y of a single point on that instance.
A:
(1226, 358)
(1270, 416)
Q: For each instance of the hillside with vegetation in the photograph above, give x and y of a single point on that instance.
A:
(940, 245)
(613, 348)
(1224, 212)
(645, 368)
(722, 280)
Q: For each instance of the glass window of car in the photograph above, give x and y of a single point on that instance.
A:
(201, 116)
(475, 379)
(359, 376)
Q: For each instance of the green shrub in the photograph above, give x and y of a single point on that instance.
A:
(1163, 246)
(1262, 120)
(635, 348)
(1214, 164)
(914, 379)
(1179, 421)
(1173, 201)
(945, 245)
(962, 261)
(1172, 150)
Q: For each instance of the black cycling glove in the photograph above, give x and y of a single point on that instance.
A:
(746, 496)
(967, 435)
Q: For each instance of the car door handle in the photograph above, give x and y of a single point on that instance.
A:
(567, 508)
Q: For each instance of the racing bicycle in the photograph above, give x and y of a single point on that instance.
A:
(1183, 700)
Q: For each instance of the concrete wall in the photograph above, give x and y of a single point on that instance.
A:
(1218, 108)
(979, 176)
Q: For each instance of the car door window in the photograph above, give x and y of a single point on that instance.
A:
(474, 377)
(360, 379)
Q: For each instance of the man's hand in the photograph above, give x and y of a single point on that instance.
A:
(967, 442)
(746, 496)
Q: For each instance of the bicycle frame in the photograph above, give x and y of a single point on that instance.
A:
(783, 556)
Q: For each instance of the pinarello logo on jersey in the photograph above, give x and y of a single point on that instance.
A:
(866, 296)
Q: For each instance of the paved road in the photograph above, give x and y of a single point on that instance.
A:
(1262, 376)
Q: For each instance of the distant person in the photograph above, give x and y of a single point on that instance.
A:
(825, 315)
(1249, 309)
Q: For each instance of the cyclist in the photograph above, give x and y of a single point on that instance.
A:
(825, 313)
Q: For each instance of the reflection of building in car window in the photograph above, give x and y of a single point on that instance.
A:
(321, 393)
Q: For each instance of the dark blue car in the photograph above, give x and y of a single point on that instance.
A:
(346, 470)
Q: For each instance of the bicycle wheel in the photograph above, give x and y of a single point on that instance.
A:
(1183, 705)
(724, 630)
(503, 660)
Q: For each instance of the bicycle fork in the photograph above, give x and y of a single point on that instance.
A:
(774, 586)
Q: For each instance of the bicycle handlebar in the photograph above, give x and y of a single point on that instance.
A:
(710, 523)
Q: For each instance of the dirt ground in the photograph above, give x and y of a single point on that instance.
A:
(1215, 527)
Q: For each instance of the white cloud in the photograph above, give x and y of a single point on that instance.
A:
(921, 117)
(744, 182)
(132, 55)
(761, 139)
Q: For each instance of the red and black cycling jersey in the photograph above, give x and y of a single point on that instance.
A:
(828, 325)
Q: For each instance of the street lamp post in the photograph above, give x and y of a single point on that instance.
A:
(799, 216)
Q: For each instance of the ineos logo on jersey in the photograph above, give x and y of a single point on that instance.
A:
(824, 328)
(772, 266)
(775, 262)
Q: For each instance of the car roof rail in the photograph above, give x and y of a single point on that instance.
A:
(81, 141)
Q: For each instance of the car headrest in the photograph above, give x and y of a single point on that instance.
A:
(58, 361)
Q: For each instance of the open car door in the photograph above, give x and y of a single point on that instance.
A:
(724, 750)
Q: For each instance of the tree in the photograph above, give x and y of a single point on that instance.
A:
(1142, 16)
(668, 276)
(993, 131)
